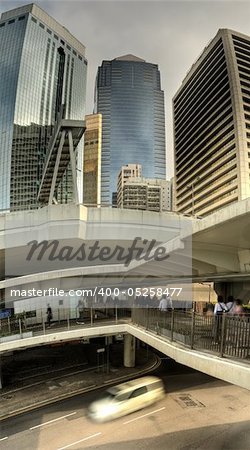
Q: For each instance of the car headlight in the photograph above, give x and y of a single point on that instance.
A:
(107, 410)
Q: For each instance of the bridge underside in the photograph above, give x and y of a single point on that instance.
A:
(218, 246)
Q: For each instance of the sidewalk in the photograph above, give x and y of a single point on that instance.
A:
(22, 399)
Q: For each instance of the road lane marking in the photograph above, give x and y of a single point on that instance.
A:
(144, 415)
(3, 439)
(53, 420)
(81, 440)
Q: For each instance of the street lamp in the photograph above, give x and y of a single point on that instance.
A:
(191, 186)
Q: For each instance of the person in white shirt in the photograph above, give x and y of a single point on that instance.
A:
(230, 304)
(220, 306)
(165, 304)
(219, 309)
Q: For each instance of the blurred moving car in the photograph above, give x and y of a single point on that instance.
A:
(126, 398)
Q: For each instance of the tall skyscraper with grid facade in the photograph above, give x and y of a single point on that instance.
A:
(212, 127)
(128, 95)
(42, 67)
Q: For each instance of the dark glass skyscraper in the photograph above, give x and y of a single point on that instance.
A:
(128, 95)
(42, 66)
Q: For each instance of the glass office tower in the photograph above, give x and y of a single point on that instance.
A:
(42, 67)
(128, 95)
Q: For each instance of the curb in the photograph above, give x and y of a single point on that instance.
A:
(90, 388)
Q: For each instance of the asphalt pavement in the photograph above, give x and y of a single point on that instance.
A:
(40, 386)
(198, 413)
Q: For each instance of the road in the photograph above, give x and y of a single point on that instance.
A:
(198, 412)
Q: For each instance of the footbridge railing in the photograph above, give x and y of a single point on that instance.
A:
(225, 335)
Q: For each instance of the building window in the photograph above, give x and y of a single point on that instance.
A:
(56, 37)
(2, 24)
(49, 31)
(33, 19)
(79, 56)
(62, 42)
(11, 21)
(21, 18)
(41, 25)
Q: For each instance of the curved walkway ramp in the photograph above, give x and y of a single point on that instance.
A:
(187, 338)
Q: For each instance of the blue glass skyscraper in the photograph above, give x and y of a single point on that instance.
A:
(128, 95)
(42, 67)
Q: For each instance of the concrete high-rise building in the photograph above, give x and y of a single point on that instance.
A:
(42, 67)
(127, 172)
(128, 95)
(212, 127)
(136, 192)
(92, 160)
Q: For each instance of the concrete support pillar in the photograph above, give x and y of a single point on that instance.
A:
(129, 350)
(108, 341)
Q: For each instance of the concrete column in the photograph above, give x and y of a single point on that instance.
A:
(129, 350)
(108, 341)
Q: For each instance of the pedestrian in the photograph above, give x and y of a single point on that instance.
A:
(230, 304)
(238, 309)
(165, 304)
(219, 308)
(80, 306)
(49, 314)
(210, 310)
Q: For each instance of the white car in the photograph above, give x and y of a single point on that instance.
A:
(126, 398)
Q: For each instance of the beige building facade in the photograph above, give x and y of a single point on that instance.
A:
(127, 172)
(92, 160)
(212, 127)
(136, 192)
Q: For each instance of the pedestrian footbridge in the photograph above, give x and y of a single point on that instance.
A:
(214, 249)
(188, 338)
(69, 247)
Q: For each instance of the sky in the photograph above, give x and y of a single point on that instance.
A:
(171, 34)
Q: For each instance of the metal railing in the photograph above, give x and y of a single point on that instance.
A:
(225, 335)
(36, 322)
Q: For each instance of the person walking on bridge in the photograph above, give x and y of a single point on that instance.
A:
(219, 309)
(230, 303)
(49, 314)
(165, 304)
